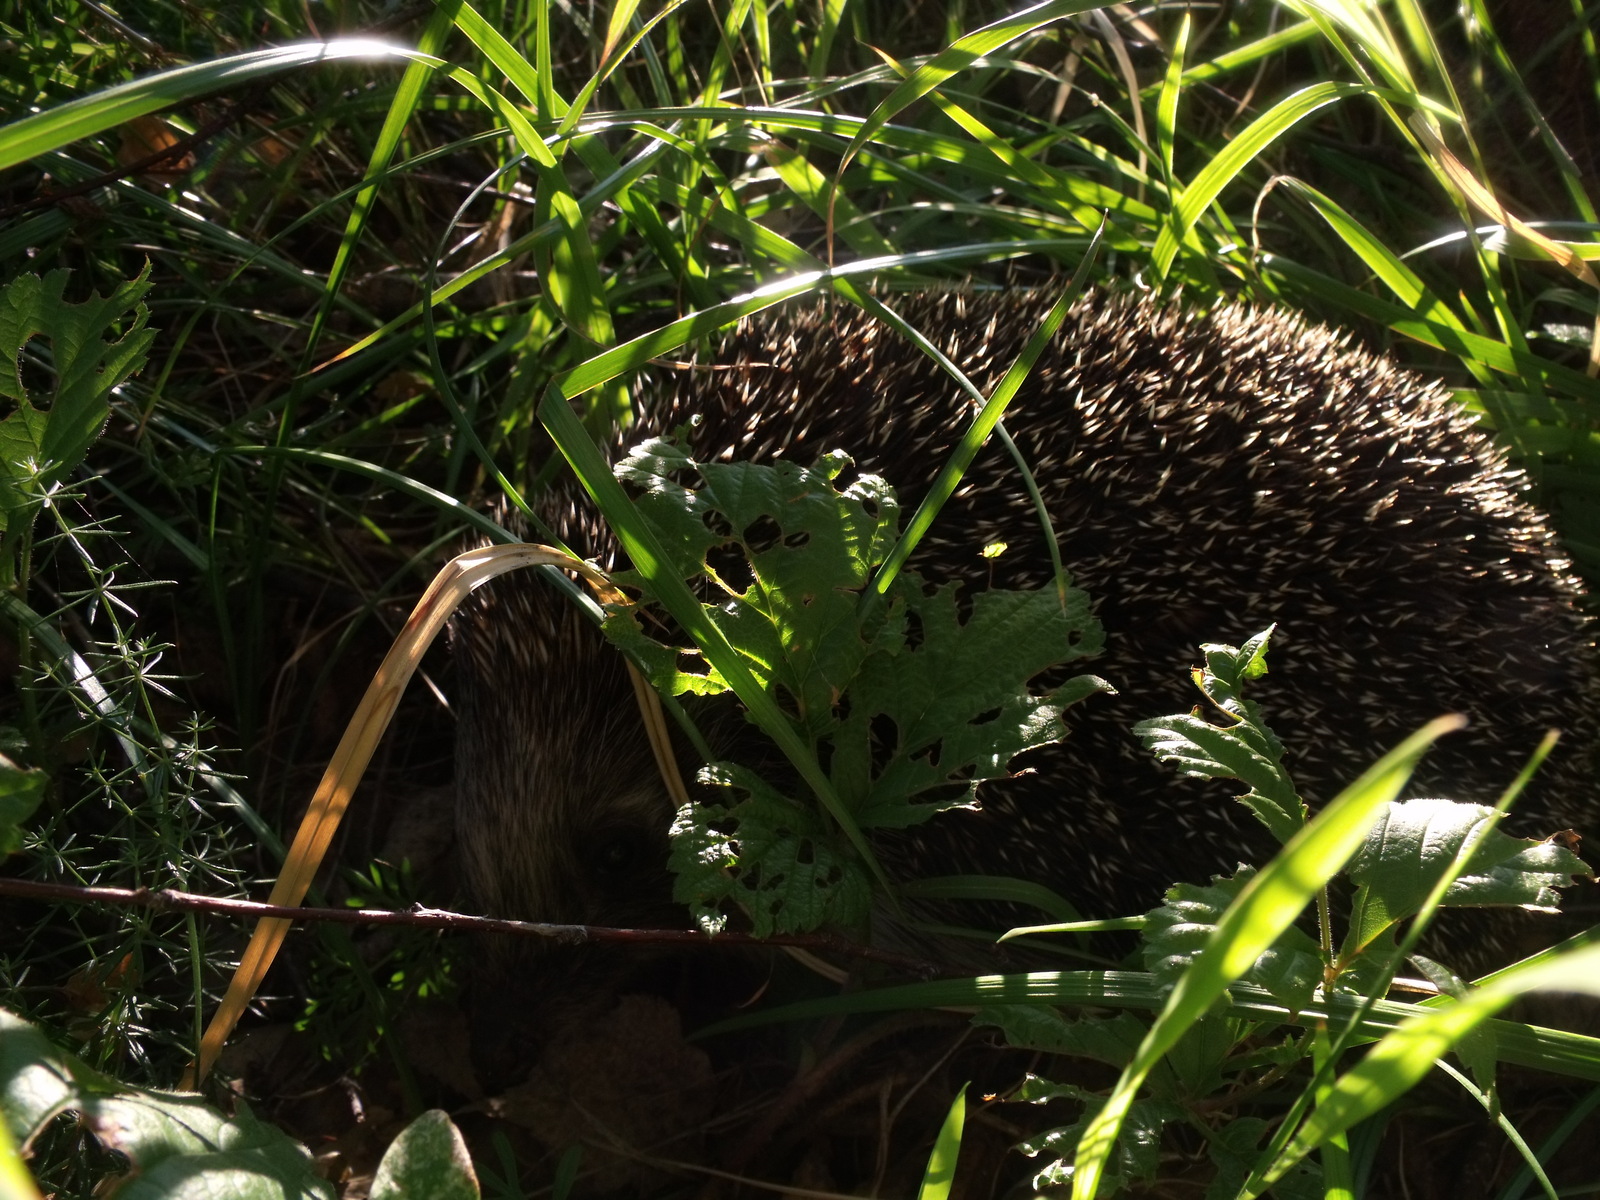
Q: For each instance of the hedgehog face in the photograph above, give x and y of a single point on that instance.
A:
(568, 823)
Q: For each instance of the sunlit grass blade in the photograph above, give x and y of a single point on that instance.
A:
(1251, 53)
(1235, 156)
(988, 416)
(959, 55)
(1267, 905)
(1167, 103)
(1571, 1054)
(941, 1173)
(1403, 1057)
(81, 118)
(810, 187)
(1529, 369)
(406, 96)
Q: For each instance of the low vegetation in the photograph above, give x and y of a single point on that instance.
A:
(293, 303)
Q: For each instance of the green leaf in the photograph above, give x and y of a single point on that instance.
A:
(430, 1159)
(959, 700)
(1111, 1040)
(1415, 841)
(1404, 1056)
(1244, 749)
(46, 436)
(797, 552)
(768, 854)
(1266, 907)
(810, 546)
(20, 793)
(941, 1172)
(179, 1147)
(1138, 1150)
(1290, 969)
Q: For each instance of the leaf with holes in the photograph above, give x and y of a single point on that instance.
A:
(790, 553)
(910, 702)
(770, 855)
(1138, 1153)
(59, 411)
(958, 697)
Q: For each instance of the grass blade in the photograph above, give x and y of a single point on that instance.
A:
(1267, 906)
(1236, 155)
(56, 127)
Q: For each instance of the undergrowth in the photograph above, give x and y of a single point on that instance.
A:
(326, 321)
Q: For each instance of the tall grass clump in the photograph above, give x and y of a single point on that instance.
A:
(373, 272)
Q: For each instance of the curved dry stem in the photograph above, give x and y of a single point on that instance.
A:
(453, 584)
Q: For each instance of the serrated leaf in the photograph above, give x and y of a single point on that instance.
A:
(1201, 750)
(430, 1159)
(20, 793)
(1110, 1040)
(1138, 1151)
(1415, 841)
(671, 671)
(810, 546)
(45, 436)
(1291, 968)
(1243, 748)
(768, 854)
(788, 553)
(960, 700)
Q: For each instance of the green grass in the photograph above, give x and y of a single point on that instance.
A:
(378, 261)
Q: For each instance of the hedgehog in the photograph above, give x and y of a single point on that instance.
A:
(1207, 474)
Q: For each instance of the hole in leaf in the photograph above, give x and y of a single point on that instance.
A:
(37, 378)
(761, 535)
(914, 631)
(731, 567)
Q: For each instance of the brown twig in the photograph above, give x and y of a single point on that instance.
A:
(418, 917)
(174, 153)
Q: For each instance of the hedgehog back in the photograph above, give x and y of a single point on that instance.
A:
(1207, 476)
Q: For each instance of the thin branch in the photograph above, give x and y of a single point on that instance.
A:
(418, 917)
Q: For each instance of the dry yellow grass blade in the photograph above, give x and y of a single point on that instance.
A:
(1482, 199)
(449, 588)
